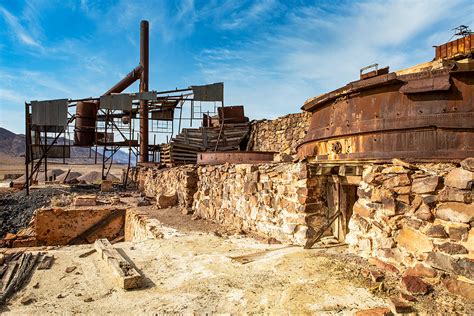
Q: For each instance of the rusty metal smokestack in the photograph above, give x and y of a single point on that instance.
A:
(144, 54)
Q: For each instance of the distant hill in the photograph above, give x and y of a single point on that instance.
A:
(13, 145)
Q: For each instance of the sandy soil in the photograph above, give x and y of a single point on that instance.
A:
(19, 167)
(193, 272)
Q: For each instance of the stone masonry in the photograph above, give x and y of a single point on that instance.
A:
(277, 200)
(416, 216)
(280, 135)
(170, 186)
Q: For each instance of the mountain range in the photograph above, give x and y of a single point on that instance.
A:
(12, 147)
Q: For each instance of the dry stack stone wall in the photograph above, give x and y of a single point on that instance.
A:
(280, 135)
(408, 215)
(170, 186)
(282, 201)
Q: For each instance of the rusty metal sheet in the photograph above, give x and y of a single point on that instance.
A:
(458, 47)
(232, 114)
(374, 73)
(210, 158)
(440, 83)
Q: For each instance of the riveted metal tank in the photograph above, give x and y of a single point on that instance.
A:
(424, 113)
(86, 117)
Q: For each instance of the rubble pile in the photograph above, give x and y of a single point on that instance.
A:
(171, 186)
(280, 135)
(283, 201)
(418, 217)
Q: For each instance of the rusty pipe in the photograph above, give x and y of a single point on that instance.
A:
(144, 54)
(127, 81)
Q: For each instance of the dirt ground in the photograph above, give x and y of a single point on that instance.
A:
(193, 269)
(193, 272)
(197, 267)
(18, 166)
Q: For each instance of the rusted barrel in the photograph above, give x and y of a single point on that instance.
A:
(425, 115)
(86, 117)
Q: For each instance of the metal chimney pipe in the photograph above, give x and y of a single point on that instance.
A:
(144, 54)
(127, 81)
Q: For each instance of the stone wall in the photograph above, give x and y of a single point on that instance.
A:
(169, 186)
(418, 216)
(60, 225)
(284, 201)
(139, 226)
(280, 135)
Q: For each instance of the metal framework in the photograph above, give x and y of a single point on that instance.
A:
(113, 125)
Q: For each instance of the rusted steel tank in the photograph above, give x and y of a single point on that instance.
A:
(423, 113)
(86, 117)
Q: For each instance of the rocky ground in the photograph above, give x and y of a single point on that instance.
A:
(16, 208)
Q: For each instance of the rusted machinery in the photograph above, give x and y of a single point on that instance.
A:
(422, 113)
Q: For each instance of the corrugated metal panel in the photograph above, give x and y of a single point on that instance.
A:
(147, 95)
(49, 112)
(121, 102)
(209, 92)
(56, 151)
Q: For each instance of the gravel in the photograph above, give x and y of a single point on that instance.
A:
(16, 209)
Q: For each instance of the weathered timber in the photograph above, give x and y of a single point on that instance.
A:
(126, 275)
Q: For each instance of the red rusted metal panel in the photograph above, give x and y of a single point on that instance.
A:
(440, 83)
(458, 47)
(216, 157)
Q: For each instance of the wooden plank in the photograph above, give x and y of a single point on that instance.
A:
(8, 275)
(126, 275)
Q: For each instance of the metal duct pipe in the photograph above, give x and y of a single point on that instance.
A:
(144, 54)
(123, 84)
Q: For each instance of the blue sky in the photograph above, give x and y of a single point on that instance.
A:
(272, 55)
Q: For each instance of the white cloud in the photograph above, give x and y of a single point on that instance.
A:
(255, 13)
(319, 49)
(17, 29)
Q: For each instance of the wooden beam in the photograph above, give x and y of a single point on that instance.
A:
(126, 275)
